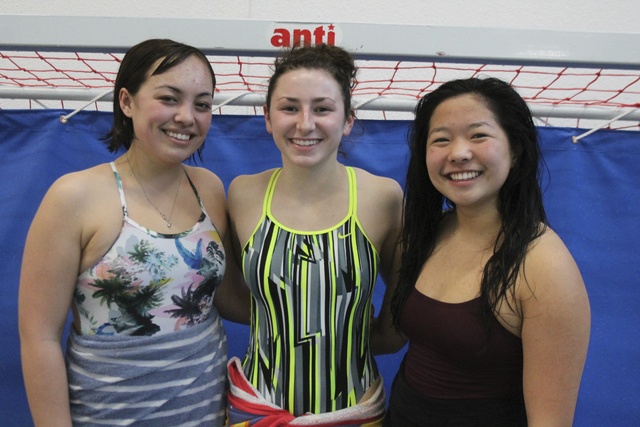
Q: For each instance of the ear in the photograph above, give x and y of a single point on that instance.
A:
(348, 124)
(267, 119)
(515, 152)
(515, 157)
(125, 99)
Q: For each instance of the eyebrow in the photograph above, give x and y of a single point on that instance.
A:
(471, 126)
(178, 90)
(320, 99)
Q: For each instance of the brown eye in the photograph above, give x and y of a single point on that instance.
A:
(204, 106)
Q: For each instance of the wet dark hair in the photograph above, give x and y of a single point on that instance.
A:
(332, 59)
(520, 198)
(135, 69)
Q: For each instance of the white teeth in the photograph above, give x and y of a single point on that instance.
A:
(180, 136)
(305, 142)
(463, 175)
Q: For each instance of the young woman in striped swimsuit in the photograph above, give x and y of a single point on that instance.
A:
(312, 235)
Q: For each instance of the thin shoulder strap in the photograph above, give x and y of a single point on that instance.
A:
(123, 202)
(195, 191)
(353, 192)
(271, 188)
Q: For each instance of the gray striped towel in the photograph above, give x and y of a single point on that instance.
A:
(173, 379)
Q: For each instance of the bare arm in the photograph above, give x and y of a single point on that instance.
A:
(555, 333)
(245, 206)
(231, 297)
(49, 270)
(385, 338)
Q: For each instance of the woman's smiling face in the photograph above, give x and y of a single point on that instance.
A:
(468, 153)
(171, 112)
(306, 116)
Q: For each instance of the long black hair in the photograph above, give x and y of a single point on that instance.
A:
(520, 198)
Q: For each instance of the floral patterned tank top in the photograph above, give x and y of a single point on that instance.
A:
(150, 283)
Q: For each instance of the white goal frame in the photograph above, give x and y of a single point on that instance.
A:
(364, 41)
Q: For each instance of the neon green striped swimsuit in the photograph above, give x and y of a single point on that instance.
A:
(309, 343)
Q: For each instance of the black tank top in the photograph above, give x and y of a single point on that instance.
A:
(456, 353)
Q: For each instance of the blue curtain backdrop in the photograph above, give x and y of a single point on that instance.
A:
(591, 193)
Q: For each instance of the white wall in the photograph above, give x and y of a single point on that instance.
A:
(584, 16)
(616, 16)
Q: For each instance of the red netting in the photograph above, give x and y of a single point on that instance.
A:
(398, 80)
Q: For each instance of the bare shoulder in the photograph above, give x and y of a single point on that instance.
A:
(246, 195)
(549, 252)
(365, 176)
(551, 270)
(246, 188)
(82, 188)
(378, 196)
(204, 180)
(380, 210)
(81, 210)
(212, 195)
(378, 186)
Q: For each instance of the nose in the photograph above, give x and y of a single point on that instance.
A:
(305, 123)
(185, 114)
(460, 151)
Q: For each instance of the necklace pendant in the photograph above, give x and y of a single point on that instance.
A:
(169, 224)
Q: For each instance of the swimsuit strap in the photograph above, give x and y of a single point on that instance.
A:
(123, 202)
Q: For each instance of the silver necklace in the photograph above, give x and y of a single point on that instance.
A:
(164, 217)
